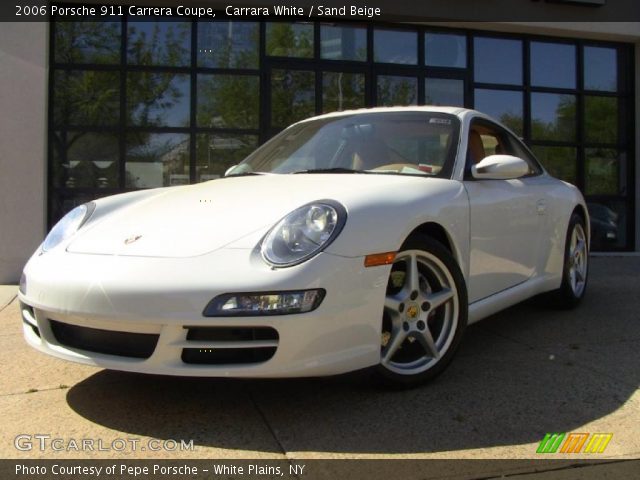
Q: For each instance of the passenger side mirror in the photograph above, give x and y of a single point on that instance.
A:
(500, 167)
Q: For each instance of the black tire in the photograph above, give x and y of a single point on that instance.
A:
(435, 266)
(567, 296)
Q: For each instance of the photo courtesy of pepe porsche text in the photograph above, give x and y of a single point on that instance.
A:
(213, 469)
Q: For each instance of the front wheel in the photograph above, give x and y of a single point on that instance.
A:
(424, 316)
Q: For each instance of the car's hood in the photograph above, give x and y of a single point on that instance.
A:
(197, 219)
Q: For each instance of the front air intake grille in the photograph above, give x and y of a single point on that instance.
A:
(29, 318)
(230, 345)
(109, 342)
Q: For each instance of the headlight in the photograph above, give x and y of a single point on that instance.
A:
(269, 303)
(68, 225)
(303, 233)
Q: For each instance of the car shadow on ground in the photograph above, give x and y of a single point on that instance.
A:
(519, 374)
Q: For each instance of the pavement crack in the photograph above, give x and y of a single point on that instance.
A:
(264, 418)
(35, 390)
(9, 302)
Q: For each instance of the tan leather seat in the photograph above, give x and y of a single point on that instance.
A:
(369, 154)
(475, 150)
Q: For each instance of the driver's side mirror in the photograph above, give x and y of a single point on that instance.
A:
(500, 167)
(230, 169)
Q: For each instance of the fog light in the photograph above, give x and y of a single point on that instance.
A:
(23, 284)
(264, 303)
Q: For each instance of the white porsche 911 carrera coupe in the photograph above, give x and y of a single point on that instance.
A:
(367, 238)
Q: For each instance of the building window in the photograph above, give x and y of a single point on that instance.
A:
(342, 91)
(338, 42)
(504, 105)
(553, 65)
(159, 42)
(497, 60)
(142, 104)
(292, 96)
(395, 90)
(600, 69)
(444, 91)
(228, 44)
(395, 46)
(290, 39)
(445, 50)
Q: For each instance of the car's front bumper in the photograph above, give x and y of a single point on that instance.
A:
(162, 298)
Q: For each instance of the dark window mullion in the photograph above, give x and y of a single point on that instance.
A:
(318, 71)
(194, 102)
(123, 106)
(469, 90)
(526, 79)
(264, 93)
(580, 127)
(421, 97)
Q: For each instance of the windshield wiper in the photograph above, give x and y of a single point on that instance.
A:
(244, 174)
(331, 170)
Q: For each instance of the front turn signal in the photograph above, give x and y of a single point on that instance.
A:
(377, 259)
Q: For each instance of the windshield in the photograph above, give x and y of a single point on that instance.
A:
(408, 143)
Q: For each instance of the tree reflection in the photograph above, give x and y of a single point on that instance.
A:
(91, 98)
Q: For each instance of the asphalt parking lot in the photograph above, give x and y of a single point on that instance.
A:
(520, 374)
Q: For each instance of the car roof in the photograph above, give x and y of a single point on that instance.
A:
(458, 111)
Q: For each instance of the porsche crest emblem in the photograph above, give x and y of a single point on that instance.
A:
(412, 311)
(131, 239)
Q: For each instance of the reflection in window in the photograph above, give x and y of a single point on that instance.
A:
(87, 98)
(158, 99)
(560, 162)
(343, 43)
(553, 65)
(228, 44)
(553, 117)
(445, 50)
(503, 105)
(157, 159)
(600, 69)
(608, 224)
(228, 101)
(601, 119)
(87, 42)
(85, 159)
(292, 96)
(159, 43)
(217, 152)
(497, 60)
(605, 172)
(395, 46)
(396, 90)
(290, 39)
(342, 91)
(444, 91)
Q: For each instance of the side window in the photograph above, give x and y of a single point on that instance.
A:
(486, 138)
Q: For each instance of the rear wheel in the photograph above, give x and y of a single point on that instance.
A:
(576, 265)
(424, 316)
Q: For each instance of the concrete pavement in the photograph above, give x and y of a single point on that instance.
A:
(520, 374)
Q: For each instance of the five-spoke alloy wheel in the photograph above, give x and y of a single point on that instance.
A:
(576, 265)
(424, 315)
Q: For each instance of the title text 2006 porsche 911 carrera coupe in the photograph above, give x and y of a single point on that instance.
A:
(358, 239)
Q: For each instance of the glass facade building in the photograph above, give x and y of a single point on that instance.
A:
(140, 104)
